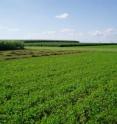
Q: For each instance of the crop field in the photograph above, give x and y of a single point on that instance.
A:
(102, 48)
(52, 85)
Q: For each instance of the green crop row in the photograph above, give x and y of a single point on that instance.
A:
(66, 89)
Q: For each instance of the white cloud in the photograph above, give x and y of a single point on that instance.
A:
(109, 30)
(67, 30)
(61, 31)
(8, 29)
(63, 16)
(80, 34)
(104, 33)
(68, 33)
(13, 29)
(48, 32)
(97, 33)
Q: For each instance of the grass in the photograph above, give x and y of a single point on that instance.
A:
(78, 48)
(67, 89)
(48, 51)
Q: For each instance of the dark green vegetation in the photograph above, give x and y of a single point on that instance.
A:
(19, 44)
(60, 43)
(53, 43)
(50, 41)
(11, 45)
(68, 89)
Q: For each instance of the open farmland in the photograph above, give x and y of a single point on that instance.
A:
(58, 62)
(77, 88)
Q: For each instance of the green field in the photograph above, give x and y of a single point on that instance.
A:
(71, 88)
(78, 48)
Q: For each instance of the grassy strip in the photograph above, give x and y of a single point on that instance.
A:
(70, 89)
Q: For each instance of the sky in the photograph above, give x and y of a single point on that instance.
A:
(82, 20)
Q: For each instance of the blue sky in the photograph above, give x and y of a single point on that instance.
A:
(84, 20)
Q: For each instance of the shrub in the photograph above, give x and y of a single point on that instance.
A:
(11, 45)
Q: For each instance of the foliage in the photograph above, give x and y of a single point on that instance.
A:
(57, 43)
(11, 45)
(50, 41)
(60, 43)
(66, 89)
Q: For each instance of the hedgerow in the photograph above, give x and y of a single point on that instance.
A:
(11, 45)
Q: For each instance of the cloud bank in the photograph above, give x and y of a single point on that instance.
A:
(62, 16)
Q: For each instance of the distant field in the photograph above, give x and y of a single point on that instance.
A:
(61, 43)
(35, 51)
(48, 43)
(51, 43)
(59, 85)
(79, 48)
